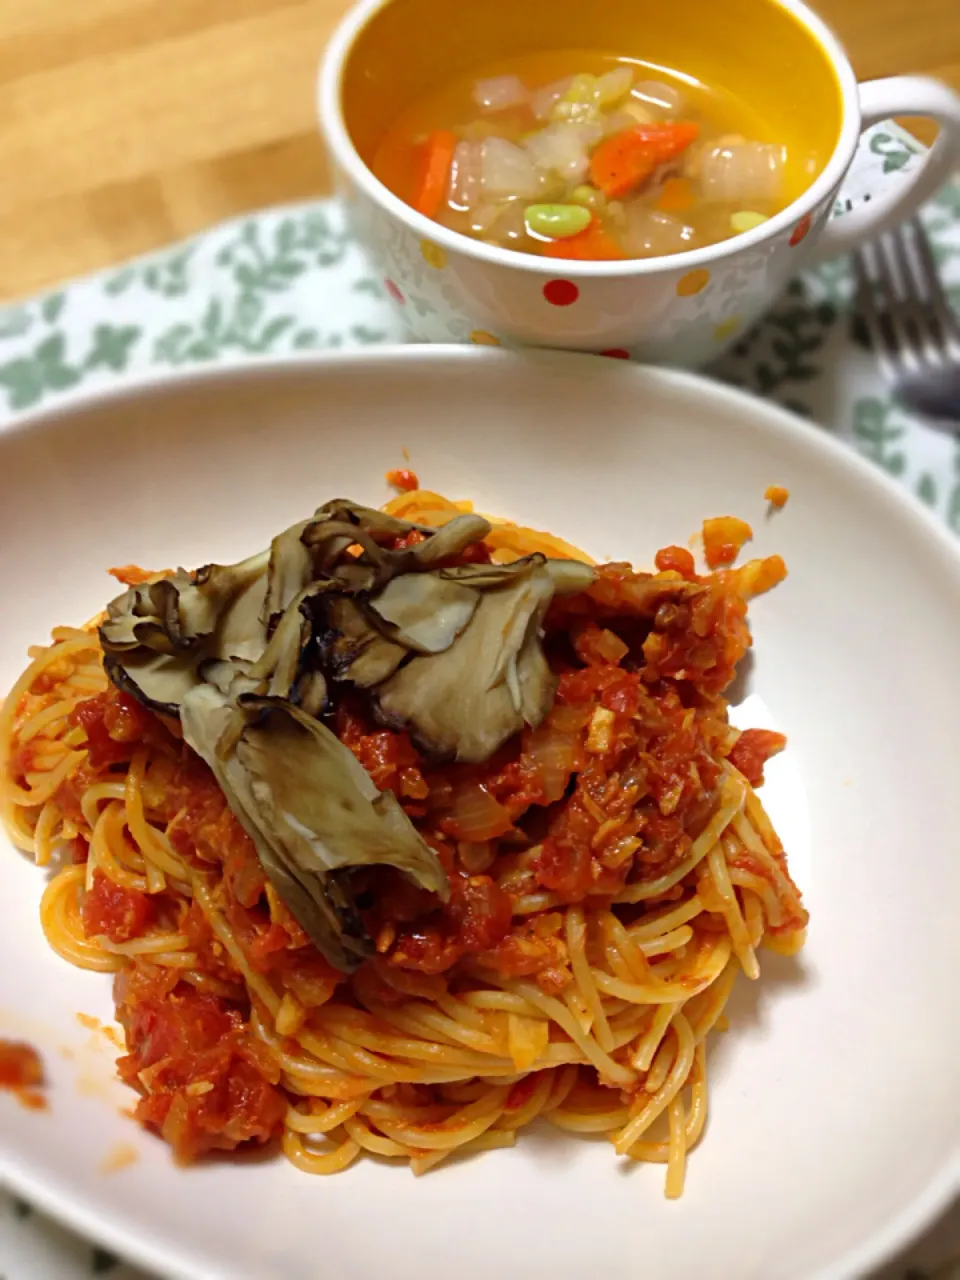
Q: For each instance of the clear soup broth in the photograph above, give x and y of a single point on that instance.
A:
(577, 154)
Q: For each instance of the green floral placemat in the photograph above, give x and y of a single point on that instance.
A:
(293, 279)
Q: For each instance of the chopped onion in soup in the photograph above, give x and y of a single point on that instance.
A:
(508, 170)
(544, 100)
(564, 148)
(624, 118)
(613, 86)
(651, 234)
(500, 93)
(742, 172)
(466, 175)
(484, 218)
(665, 99)
(509, 228)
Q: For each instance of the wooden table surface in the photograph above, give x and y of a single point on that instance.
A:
(126, 124)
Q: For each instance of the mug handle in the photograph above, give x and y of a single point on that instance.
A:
(879, 100)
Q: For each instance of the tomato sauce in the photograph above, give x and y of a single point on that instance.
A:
(111, 911)
(209, 1084)
(607, 792)
(20, 1065)
(21, 1071)
(752, 750)
(723, 538)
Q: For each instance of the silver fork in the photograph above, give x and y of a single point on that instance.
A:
(912, 328)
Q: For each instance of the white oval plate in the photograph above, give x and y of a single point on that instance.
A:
(834, 1130)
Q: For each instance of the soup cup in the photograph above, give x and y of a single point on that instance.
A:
(681, 309)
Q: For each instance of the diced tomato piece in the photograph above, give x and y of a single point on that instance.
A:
(131, 575)
(119, 914)
(207, 1085)
(722, 539)
(405, 481)
(481, 912)
(20, 1065)
(565, 866)
(752, 750)
(677, 559)
(114, 724)
(623, 697)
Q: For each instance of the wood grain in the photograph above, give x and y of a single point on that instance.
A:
(131, 123)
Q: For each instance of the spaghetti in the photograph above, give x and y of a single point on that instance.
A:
(611, 874)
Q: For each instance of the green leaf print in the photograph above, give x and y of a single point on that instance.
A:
(801, 333)
(14, 322)
(248, 311)
(364, 334)
(286, 236)
(833, 281)
(213, 319)
(277, 327)
(370, 285)
(927, 489)
(875, 433)
(102, 1261)
(112, 346)
(119, 283)
(23, 381)
(896, 152)
(28, 378)
(222, 330)
(168, 276)
(953, 503)
(783, 347)
(57, 376)
(272, 265)
(52, 306)
(169, 347)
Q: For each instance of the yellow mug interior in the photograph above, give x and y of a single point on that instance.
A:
(755, 50)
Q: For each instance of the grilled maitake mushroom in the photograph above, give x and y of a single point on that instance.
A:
(249, 656)
(465, 701)
(311, 809)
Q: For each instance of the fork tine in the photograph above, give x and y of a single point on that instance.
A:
(913, 305)
(866, 308)
(866, 305)
(932, 288)
(904, 350)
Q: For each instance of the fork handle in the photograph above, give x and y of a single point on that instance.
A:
(880, 100)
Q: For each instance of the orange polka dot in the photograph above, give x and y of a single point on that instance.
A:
(693, 282)
(483, 339)
(433, 255)
(800, 230)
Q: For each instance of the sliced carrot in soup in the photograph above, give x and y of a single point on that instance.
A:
(624, 161)
(437, 158)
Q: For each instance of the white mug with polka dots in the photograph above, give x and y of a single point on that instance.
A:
(681, 309)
